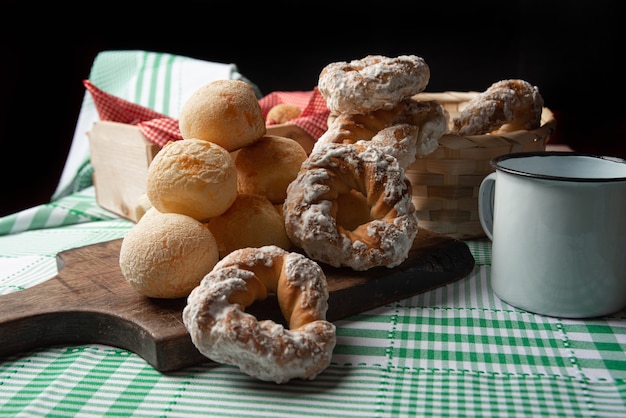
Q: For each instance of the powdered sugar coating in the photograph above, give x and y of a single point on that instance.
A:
(223, 332)
(312, 202)
(506, 106)
(408, 129)
(373, 82)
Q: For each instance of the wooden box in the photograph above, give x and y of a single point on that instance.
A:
(120, 156)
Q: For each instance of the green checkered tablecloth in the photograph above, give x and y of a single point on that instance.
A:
(453, 351)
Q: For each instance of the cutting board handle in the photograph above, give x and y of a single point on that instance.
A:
(89, 301)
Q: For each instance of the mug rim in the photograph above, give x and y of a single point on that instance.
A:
(495, 163)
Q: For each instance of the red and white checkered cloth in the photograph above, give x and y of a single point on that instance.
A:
(156, 127)
(314, 113)
(160, 129)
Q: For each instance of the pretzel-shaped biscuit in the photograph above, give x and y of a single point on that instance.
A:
(380, 225)
(408, 129)
(372, 82)
(506, 106)
(223, 332)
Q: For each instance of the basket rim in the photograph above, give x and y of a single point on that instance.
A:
(451, 154)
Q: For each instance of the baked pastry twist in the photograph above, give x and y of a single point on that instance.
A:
(371, 83)
(222, 331)
(506, 106)
(408, 129)
(351, 206)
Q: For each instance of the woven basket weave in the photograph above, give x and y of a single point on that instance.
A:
(446, 182)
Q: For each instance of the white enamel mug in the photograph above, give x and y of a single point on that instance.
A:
(557, 221)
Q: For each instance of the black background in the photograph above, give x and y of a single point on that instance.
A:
(570, 50)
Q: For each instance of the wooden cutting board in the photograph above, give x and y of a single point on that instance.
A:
(90, 301)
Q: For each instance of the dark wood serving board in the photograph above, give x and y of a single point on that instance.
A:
(90, 301)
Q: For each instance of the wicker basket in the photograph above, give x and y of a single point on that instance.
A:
(445, 183)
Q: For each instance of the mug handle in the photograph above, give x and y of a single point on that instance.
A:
(485, 204)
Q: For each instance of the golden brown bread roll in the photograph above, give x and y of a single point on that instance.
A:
(225, 112)
(166, 255)
(268, 165)
(282, 113)
(192, 177)
(142, 206)
(251, 221)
